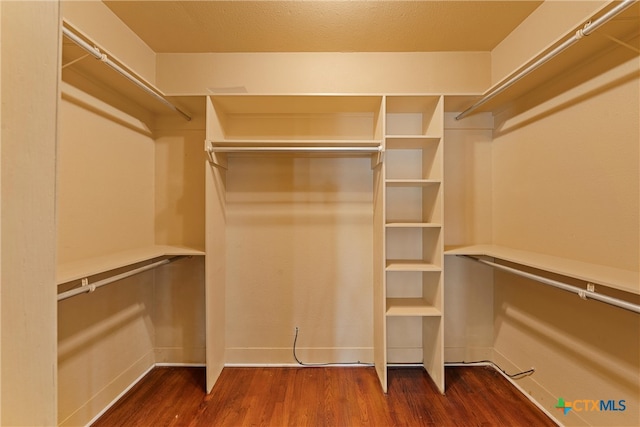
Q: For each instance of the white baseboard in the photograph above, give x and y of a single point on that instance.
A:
(102, 399)
(179, 365)
(297, 365)
(136, 381)
(283, 356)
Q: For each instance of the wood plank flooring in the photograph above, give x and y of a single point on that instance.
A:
(332, 396)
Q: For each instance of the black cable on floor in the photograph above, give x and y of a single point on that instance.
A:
(495, 365)
(301, 363)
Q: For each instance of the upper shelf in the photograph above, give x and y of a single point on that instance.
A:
(295, 119)
(624, 280)
(413, 117)
(121, 89)
(609, 39)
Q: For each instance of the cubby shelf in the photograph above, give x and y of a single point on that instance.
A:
(411, 182)
(411, 265)
(410, 140)
(412, 225)
(411, 307)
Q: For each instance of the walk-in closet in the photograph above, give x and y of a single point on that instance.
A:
(254, 184)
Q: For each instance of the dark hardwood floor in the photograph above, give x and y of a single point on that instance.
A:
(338, 396)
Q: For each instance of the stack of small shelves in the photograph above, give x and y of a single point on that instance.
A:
(413, 212)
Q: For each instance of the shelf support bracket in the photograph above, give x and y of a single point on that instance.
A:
(378, 158)
(215, 159)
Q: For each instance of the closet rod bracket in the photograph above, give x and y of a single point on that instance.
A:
(213, 157)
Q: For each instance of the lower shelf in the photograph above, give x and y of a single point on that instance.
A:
(411, 265)
(80, 269)
(624, 280)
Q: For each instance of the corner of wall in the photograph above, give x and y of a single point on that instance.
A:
(98, 22)
(547, 25)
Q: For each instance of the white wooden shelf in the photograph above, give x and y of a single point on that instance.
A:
(283, 104)
(411, 182)
(80, 269)
(397, 224)
(411, 265)
(410, 141)
(624, 280)
(296, 119)
(295, 142)
(411, 307)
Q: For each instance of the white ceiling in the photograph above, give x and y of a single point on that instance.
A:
(189, 26)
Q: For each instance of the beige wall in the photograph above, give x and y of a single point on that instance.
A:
(28, 360)
(105, 189)
(566, 169)
(127, 179)
(105, 342)
(566, 183)
(430, 72)
(468, 183)
(545, 27)
(299, 253)
(179, 179)
(121, 186)
(94, 19)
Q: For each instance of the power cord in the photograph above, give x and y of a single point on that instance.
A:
(301, 363)
(495, 365)
(489, 362)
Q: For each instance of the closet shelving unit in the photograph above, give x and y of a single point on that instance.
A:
(413, 229)
(124, 91)
(614, 33)
(273, 125)
(280, 124)
(408, 202)
(118, 216)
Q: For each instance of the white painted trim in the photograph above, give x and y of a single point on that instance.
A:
(296, 365)
(119, 396)
(180, 365)
(136, 381)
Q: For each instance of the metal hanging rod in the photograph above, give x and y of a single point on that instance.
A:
(262, 149)
(588, 28)
(588, 293)
(98, 54)
(90, 287)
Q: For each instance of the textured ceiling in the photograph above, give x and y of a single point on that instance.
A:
(321, 26)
